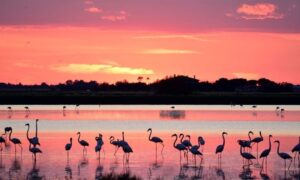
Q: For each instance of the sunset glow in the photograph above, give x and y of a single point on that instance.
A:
(107, 43)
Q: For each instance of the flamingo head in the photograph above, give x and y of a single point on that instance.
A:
(188, 136)
(224, 133)
(7, 129)
(270, 135)
(100, 135)
(27, 124)
(174, 135)
(149, 130)
(78, 133)
(276, 141)
(181, 135)
(37, 120)
(200, 138)
(250, 132)
(111, 137)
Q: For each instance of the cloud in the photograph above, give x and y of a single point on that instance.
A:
(246, 75)
(175, 36)
(101, 68)
(259, 11)
(93, 10)
(120, 16)
(169, 51)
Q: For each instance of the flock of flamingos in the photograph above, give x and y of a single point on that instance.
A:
(183, 145)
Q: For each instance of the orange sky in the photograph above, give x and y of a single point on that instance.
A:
(34, 54)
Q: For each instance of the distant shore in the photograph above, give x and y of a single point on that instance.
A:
(212, 98)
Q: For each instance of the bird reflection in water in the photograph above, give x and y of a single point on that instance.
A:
(182, 173)
(198, 172)
(15, 169)
(99, 170)
(220, 172)
(173, 114)
(264, 175)
(246, 173)
(68, 171)
(34, 172)
(82, 163)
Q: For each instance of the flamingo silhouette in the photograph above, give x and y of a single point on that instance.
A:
(68, 147)
(202, 142)
(180, 147)
(15, 141)
(26, 109)
(2, 140)
(83, 143)
(99, 144)
(257, 140)
(221, 147)
(34, 141)
(296, 150)
(115, 143)
(6, 130)
(246, 143)
(155, 140)
(34, 151)
(194, 150)
(283, 155)
(126, 147)
(247, 156)
(266, 152)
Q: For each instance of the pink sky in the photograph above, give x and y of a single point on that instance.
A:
(111, 41)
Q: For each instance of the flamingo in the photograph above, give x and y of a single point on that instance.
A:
(7, 129)
(15, 141)
(296, 149)
(266, 152)
(34, 141)
(257, 140)
(194, 150)
(202, 141)
(99, 144)
(82, 142)
(2, 140)
(68, 146)
(246, 156)
(34, 151)
(220, 147)
(155, 140)
(246, 143)
(64, 108)
(9, 109)
(180, 147)
(115, 143)
(186, 143)
(283, 155)
(26, 109)
(127, 150)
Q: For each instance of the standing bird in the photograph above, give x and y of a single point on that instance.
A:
(266, 152)
(9, 108)
(34, 141)
(257, 140)
(99, 144)
(115, 143)
(220, 147)
(246, 156)
(83, 143)
(296, 150)
(283, 155)
(180, 147)
(27, 109)
(202, 142)
(127, 150)
(7, 129)
(2, 140)
(34, 151)
(15, 141)
(68, 147)
(194, 150)
(246, 143)
(186, 143)
(155, 140)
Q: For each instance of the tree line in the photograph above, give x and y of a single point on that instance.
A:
(169, 85)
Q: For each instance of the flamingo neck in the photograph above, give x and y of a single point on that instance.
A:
(71, 141)
(278, 147)
(150, 135)
(79, 137)
(249, 136)
(181, 138)
(260, 134)
(36, 128)
(270, 143)
(123, 137)
(111, 140)
(241, 150)
(27, 134)
(223, 139)
(175, 141)
(299, 139)
(10, 135)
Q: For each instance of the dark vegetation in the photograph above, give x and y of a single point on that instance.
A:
(171, 90)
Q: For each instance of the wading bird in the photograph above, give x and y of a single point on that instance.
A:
(246, 143)
(26, 109)
(15, 141)
(202, 142)
(68, 147)
(266, 152)
(115, 143)
(99, 145)
(180, 147)
(247, 156)
(296, 150)
(194, 150)
(34, 141)
(220, 147)
(34, 151)
(155, 140)
(257, 140)
(83, 143)
(2, 140)
(283, 155)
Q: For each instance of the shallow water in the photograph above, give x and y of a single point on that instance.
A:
(56, 126)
